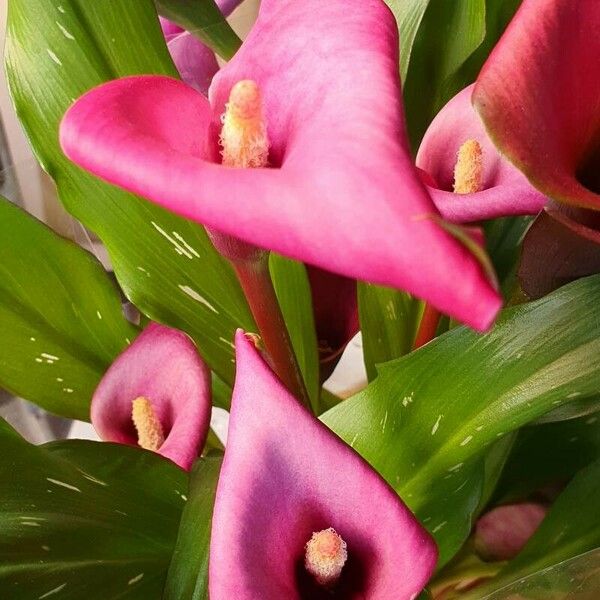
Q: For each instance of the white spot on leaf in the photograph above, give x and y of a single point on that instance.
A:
(186, 289)
(135, 579)
(63, 484)
(66, 33)
(436, 425)
(53, 591)
(54, 57)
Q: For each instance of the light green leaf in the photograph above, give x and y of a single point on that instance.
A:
(85, 519)
(293, 293)
(388, 321)
(573, 579)
(60, 316)
(430, 414)
(409, 14)
(449, 33)
(188, 573)
(203, 19)
(570, 528)
(166, 265)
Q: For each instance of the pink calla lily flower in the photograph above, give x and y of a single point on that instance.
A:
(285, 477)
(505, 190)
(539, 96)
(503, 532)
(341, 192)
(159, 386)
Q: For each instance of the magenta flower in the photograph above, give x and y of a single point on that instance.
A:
(157, 395)
(286, 477)
(501, 533)
(457, 147)
(341, 191)
(538, 94)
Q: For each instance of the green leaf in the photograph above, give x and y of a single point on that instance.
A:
(549, 453)
(188, 573)
(503, 239)
(388, 321)
(166, 265)
(429, 416)
(449, 33)
(293, 293)
(570, 528)
(204, 20)
(60, 316)
(408, 14)
(87, 519)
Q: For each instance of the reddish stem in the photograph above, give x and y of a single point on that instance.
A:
(428, 326)
(256, 282)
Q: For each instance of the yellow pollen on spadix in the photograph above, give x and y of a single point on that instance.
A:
(325, 556)
(243, 138)
(148, 427)
(468, 170)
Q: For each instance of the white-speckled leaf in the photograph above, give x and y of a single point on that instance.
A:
(428, 415)
(86, 520)
(60, 316)
(58, 49)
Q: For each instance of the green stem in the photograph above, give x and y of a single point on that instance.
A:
(204, 20)
(256, 282)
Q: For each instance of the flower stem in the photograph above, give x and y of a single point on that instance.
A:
(256, 282)
(428, 326)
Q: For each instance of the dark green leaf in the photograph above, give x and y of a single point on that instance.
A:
(430, 414)
(503, 238)
(570, 528)
(166, 265)
(60, 316)
(549, 453)
(293, 293)
(388, 322)
(188, 573)
(204, 19)
(86, 519)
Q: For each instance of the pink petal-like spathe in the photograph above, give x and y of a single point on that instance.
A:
(195, 62)
(501, 533)
(506, 190)
(285, 476)
(342, 192)
(539, 96)
(162, 365)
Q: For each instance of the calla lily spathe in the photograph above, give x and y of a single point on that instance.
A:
(162, 365)
(286, 476)
(342, 192)
(505, 189)
(539, 97)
